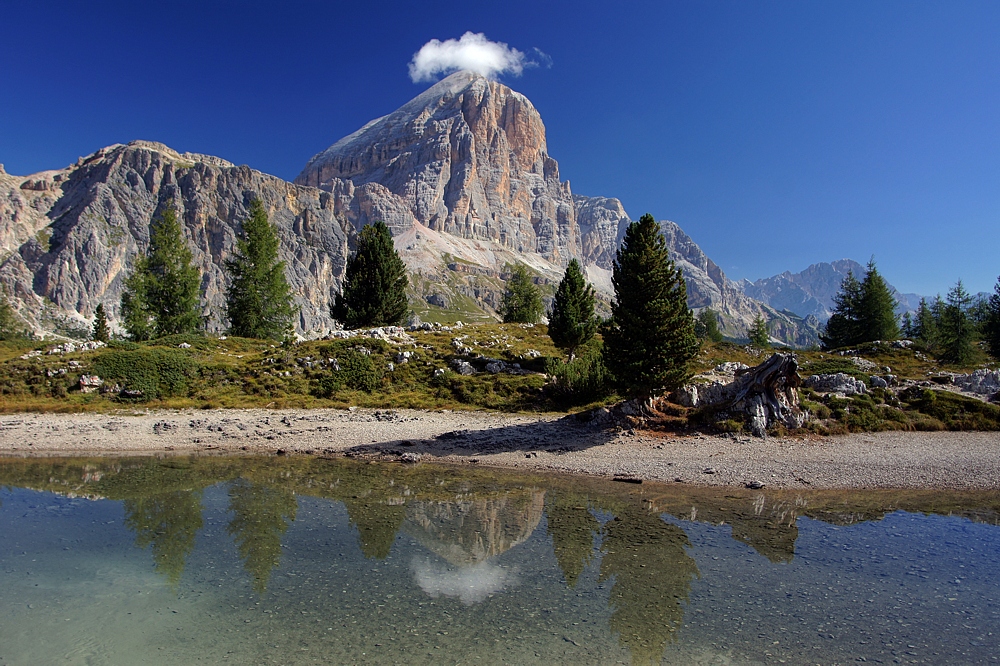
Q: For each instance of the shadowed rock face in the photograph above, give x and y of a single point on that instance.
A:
(71, 236)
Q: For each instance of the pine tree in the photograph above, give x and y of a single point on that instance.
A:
(706, 325)
(991, 330)
(842, 329)
(101, 332)
(572, 321)
(374, 291)
(908, 326)
(957, 332)
(259, 300)
(650, 337)
(759, 337)
(161, 295)
(876, 308)
(522, 304)
(925, 324)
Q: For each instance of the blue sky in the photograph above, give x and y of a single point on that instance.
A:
(777, 134)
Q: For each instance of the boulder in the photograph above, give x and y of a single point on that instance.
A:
(836, 383)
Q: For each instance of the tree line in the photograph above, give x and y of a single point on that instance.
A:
(865, 311)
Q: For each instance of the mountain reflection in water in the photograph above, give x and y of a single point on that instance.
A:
(630, 540)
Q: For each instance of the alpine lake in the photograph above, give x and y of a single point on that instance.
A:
(302, 560)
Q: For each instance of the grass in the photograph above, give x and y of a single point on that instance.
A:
(210, 373)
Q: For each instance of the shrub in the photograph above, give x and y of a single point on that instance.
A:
(585, 376)
(147, 373)
(357, 371)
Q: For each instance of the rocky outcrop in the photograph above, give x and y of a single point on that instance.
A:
(836, 383)
(71, 236)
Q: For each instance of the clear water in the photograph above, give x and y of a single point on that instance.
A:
(295, 561)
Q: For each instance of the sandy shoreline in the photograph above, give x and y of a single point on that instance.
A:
(965, 460)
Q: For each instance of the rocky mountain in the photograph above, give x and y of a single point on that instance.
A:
(468, 160)
(811, 291)
(461, 174)
(70, 236)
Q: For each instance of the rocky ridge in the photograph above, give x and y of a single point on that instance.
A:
(461, 174)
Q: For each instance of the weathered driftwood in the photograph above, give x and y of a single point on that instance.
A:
(765, 394)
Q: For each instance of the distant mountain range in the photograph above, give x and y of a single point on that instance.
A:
(461, 175)
(811, 291)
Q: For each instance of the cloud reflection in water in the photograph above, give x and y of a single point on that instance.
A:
(471, 584)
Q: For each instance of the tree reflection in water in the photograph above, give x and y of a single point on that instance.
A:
(167, 522)
(261, 515)
(652, 574)
(377, 523)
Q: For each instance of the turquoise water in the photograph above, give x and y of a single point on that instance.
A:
(289, 561)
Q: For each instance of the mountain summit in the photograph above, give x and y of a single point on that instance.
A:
(466, 157)
(461, 175)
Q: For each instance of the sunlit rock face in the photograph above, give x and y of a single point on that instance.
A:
(468, 157)
(70, 237)
(466, 533)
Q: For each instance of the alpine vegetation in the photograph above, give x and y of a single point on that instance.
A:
(374, 291)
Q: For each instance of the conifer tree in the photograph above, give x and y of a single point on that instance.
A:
(877, 318)
(374, 290)
(650, 337)
(842, 329)
(101, 332)
(706, 325)
(991, 331)
(758, 334)
(925, 324)
(259, 300)
(957, 332)
(161, 295)
(522, 304)
(908, 326)
(572, 321)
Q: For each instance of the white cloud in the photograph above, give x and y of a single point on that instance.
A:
(470, 584)
(473, 52)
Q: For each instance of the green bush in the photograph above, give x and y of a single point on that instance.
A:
(147, 373)
(584, 377)
(357, 371)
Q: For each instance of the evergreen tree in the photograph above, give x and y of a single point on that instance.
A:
(374, 291)
(843, 329)
(908, 326)
(522, 304)
(876, 308)
(925, 324)
(758, 334)
(706, 325)
(161, 294)
(650, 337)
(101, 332)
(10, 327)
(572, 321)
(259, 300)
(957, 332)
(991, 330)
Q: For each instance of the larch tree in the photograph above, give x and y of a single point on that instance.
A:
(706, 325)
(572, 322)
(522, 303)
(991, 330)
(877, 318)
(259, 300)
(161, 295)
(758, 334)
(101, 332)
(957, 331)
(374, 289)
(649, 340)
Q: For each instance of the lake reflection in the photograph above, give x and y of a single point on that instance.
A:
(287, 560)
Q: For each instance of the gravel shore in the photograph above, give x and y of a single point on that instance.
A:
(965, 460)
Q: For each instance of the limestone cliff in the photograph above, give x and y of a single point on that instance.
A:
(69, 237)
